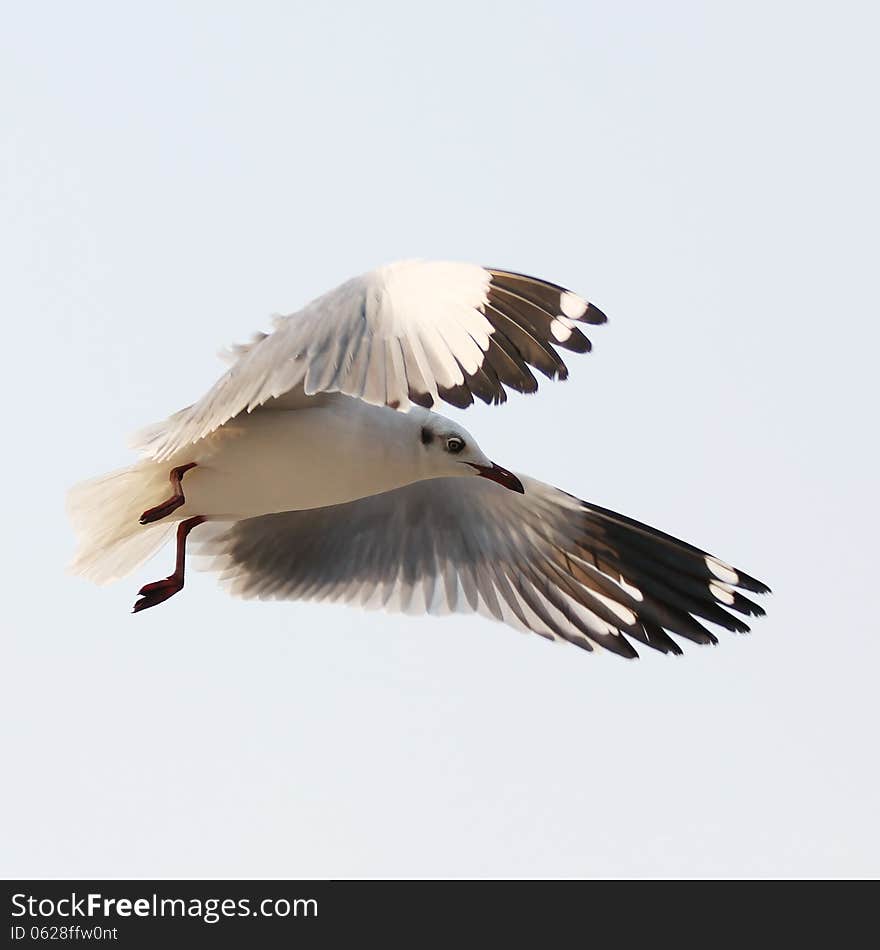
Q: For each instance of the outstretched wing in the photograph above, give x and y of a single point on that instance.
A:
(411, 332)
(543, 561)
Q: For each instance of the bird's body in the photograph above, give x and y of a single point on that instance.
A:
(331, 450)
(316, 468)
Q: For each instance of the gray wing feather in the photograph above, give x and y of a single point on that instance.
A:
(414, 331)
(543, 561)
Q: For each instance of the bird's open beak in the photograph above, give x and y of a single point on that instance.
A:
(500, 475)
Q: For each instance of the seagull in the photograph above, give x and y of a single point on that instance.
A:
(316, 468)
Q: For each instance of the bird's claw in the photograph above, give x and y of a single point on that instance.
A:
(157, 592)
(158, 512)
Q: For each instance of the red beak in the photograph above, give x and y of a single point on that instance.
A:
(500, 475)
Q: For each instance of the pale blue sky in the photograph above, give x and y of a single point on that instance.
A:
(707, 173)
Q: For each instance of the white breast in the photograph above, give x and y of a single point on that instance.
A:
(270, 461)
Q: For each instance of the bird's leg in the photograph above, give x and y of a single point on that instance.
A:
(159, 591)
(172, 503)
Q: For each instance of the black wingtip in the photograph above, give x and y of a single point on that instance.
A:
(752, 584)
(594, 315)
(425, 400)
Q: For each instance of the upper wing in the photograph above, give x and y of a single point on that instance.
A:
(415, 331)
(543, 561)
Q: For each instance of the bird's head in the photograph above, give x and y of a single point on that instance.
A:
(449, 450)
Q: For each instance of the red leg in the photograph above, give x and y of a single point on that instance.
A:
(174, 502)
(159, 591)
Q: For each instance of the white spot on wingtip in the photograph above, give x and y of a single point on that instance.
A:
(719, 593)
(572, 305)
(560, 331)
(724, 572)
(623, 614)
(633, 592)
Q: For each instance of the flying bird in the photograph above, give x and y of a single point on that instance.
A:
(317, 468)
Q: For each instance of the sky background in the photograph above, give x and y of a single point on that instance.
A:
(174, 173)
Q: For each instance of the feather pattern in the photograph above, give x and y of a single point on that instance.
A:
(543, 561)
(411, 332)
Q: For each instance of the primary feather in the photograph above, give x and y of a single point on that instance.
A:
(411, 332)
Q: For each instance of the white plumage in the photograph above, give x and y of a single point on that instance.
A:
(315, 468)
(411, 331)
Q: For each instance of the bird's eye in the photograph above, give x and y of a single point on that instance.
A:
(454, 444)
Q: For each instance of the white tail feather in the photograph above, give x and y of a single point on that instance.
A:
(104, 512)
